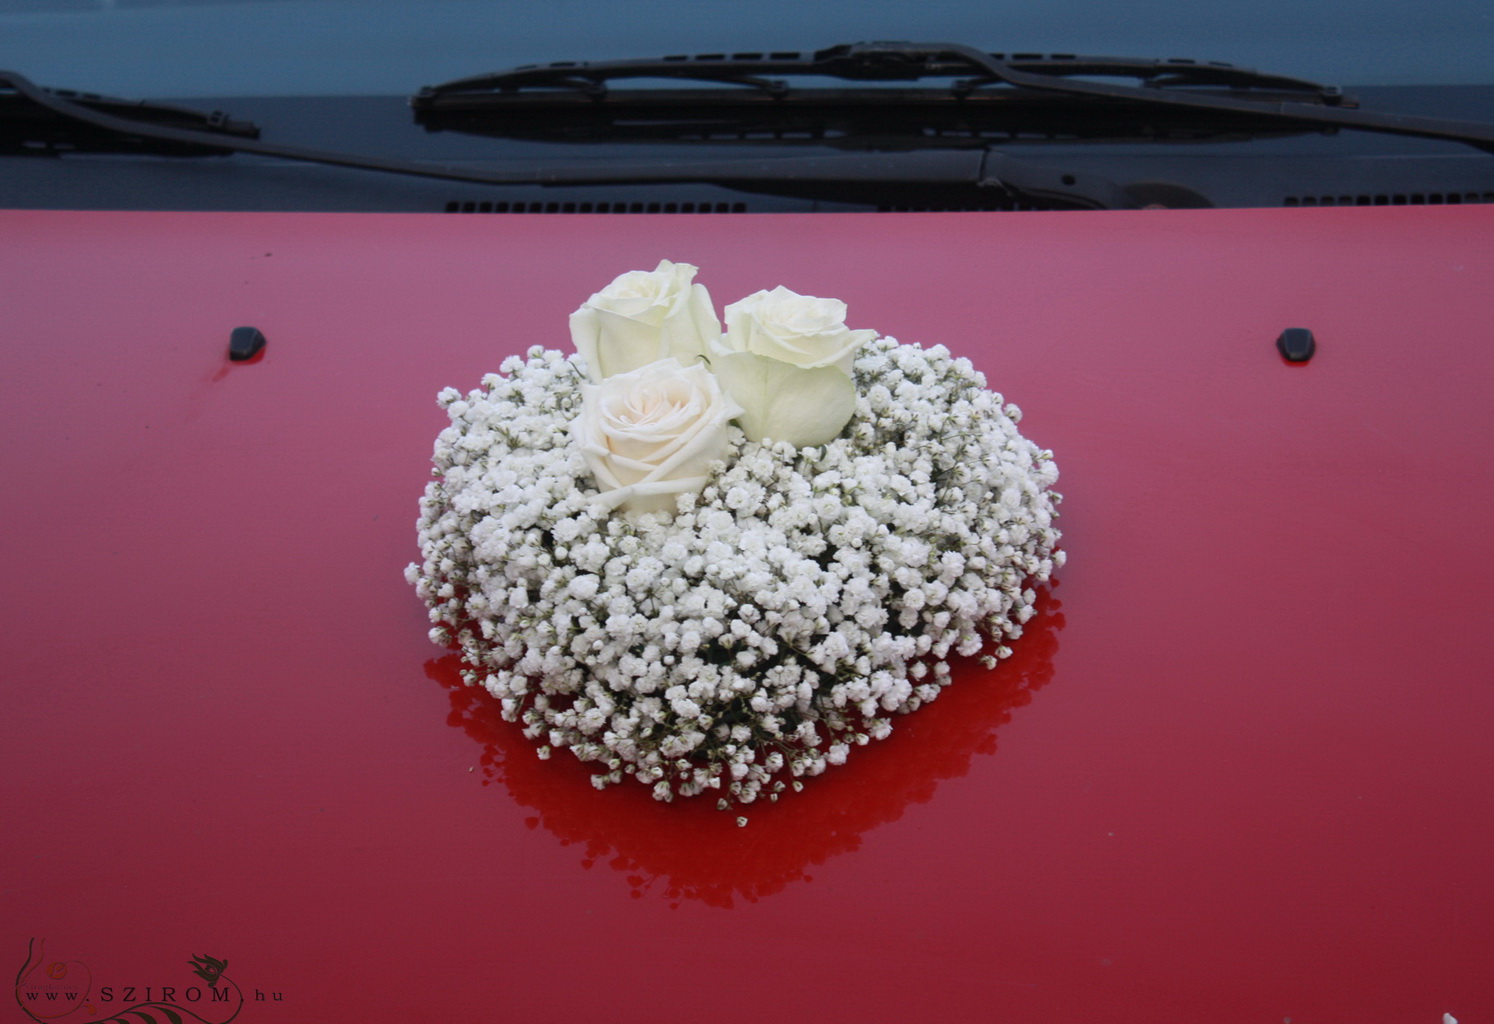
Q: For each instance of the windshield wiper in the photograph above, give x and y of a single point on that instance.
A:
(989, 98)
(946, 169)
(29, 124)
(975, 176)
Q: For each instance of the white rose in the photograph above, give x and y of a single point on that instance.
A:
(649, 434)
(802, 330)
(786, 359)
(642, 317)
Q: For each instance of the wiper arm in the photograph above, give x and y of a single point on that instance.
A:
(877, 177)
(865, 62)
(29, 123)
(989, 94)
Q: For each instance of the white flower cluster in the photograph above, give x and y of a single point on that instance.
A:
(778, 618)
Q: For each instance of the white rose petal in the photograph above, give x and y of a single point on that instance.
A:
(800, 330)
(785, 403)
(642, 317)
(786, 359)
(648, 435)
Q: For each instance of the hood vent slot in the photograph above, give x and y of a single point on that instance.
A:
(1002, 205)
(1392, 199)
(553, 206)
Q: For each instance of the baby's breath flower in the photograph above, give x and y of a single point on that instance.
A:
(777, 620)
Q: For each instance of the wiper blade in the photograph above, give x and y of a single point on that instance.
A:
(988, 95)
(29, 123)
(974, 176)
(863, 62)
(883, 118)
(570, 102)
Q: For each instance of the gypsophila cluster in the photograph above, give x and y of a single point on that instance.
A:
(784, 615)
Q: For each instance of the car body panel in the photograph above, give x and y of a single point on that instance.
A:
(1238, 769)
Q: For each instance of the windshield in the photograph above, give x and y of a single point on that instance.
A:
(185, 48)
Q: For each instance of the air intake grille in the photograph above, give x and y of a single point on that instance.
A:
(1392, 199)
(468, 206)
(984, 207)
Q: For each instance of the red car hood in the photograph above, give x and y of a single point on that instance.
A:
(1239, 768)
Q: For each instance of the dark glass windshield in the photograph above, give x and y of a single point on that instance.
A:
(184, 48)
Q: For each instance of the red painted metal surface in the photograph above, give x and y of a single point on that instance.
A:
(1239, 771)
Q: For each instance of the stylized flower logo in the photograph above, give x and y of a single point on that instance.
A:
(208, 968)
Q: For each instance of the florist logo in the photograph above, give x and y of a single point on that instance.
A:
(49, 989)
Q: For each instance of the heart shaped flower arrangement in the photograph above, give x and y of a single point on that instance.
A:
(718, 560)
